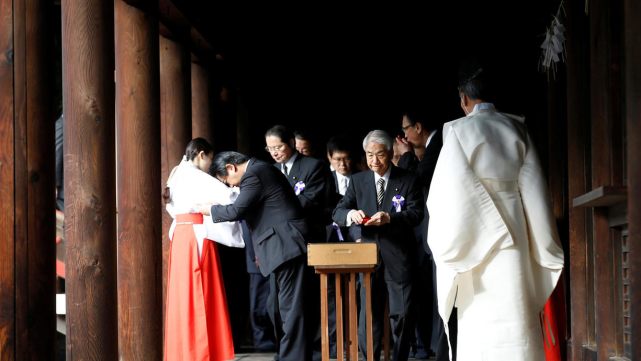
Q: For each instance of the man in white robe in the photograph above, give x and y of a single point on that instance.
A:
(492, 231)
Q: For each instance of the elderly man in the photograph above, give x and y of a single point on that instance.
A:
(304, 143)
(492, 231)
(386, 202)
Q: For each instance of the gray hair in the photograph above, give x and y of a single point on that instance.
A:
(378, 136)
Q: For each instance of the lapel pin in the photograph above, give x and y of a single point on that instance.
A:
(397, 189)
(294, 177)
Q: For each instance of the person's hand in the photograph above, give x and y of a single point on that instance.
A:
(256, 260)
(358, 240)
(402, 146)
(204, 208)
(357, 217)
(378, 219)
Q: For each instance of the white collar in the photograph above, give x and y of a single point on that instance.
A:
(483, 106)
(430, 138)
(385, 177)
(340, 177)
(289, 163)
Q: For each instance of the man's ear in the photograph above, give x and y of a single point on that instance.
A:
(230, 167)
(465, 99)
(201, 155)
(419, 127)
(292, 143)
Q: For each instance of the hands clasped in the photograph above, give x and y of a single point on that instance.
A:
(378, 219)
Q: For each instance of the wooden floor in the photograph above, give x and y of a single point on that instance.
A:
(266, 357)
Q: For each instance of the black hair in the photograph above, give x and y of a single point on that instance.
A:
(477, 89)
(281, 132)
(303, 135)
(196, 146)
(414, 116)
(339, 143)
(219, 164)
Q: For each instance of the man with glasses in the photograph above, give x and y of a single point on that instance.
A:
(313, 185)
(420, 133)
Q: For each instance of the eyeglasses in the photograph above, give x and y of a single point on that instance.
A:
(277, 148)
(403, 129)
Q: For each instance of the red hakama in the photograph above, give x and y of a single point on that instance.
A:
(197, 324)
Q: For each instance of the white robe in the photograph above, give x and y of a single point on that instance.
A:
(190, 186)
(493, 236)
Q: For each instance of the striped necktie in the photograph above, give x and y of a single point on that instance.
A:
(381, 191)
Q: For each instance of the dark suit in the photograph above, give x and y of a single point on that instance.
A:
(319, 196)
(397, 246)
(428, 320)
(258, 292)
(280, 233)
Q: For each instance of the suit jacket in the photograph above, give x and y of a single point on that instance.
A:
(319, 196)
(425, 171)
(396, 239)
(350, 234)
(272, 212)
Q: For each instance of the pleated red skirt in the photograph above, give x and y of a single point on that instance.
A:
(197, 326)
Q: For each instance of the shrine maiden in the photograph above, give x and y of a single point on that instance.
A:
(197, 323)
(492, 231)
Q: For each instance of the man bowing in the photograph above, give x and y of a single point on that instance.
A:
(492, 231)
(387, 203)
(280, 234)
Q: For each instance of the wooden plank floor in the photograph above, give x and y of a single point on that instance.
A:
(269, 357)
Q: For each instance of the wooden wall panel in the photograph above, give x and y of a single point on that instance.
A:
(579, 177)
(90, 187)
(138, 182)
(632, 30)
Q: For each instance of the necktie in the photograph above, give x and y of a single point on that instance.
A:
(343, 187)
(381, 191)
(285, 169)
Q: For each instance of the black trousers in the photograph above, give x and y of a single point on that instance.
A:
(261, 324)
(425, 296)
(442, 353)
(297, 299)
(401, 312)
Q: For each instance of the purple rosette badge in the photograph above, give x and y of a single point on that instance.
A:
(338, 232)
(398, 202)
(299, 188)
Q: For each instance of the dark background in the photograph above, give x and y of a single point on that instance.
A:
(349, 69)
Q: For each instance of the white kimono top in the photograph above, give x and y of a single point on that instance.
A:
(190, 186)
(493, 237)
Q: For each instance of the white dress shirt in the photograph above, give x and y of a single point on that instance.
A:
(348, 221)
(289, 163)
(429, 139)
(343, 182)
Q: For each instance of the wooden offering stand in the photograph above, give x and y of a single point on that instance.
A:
(349, 259)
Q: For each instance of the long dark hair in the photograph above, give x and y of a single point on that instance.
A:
(194, 148)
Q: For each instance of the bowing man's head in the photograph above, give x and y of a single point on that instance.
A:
(229, 167)
(378, 150)
(280, 143)
(200, 153)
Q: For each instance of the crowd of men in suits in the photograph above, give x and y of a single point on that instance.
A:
(335, 200)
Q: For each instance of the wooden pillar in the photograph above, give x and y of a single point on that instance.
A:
(632, 13)
(607, 162)
(579, 179)
(175, 127)
(27, 250)
(138, 182)
(90, 189)
(201, 112)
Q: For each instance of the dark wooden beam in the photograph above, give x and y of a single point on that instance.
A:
(138, 181)
(90, 187)
(579, 178)
(602, 197)
(201, 113)
(7, 245)
(607, 165)
(34, 180)
(632, 31)
(175, 127)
